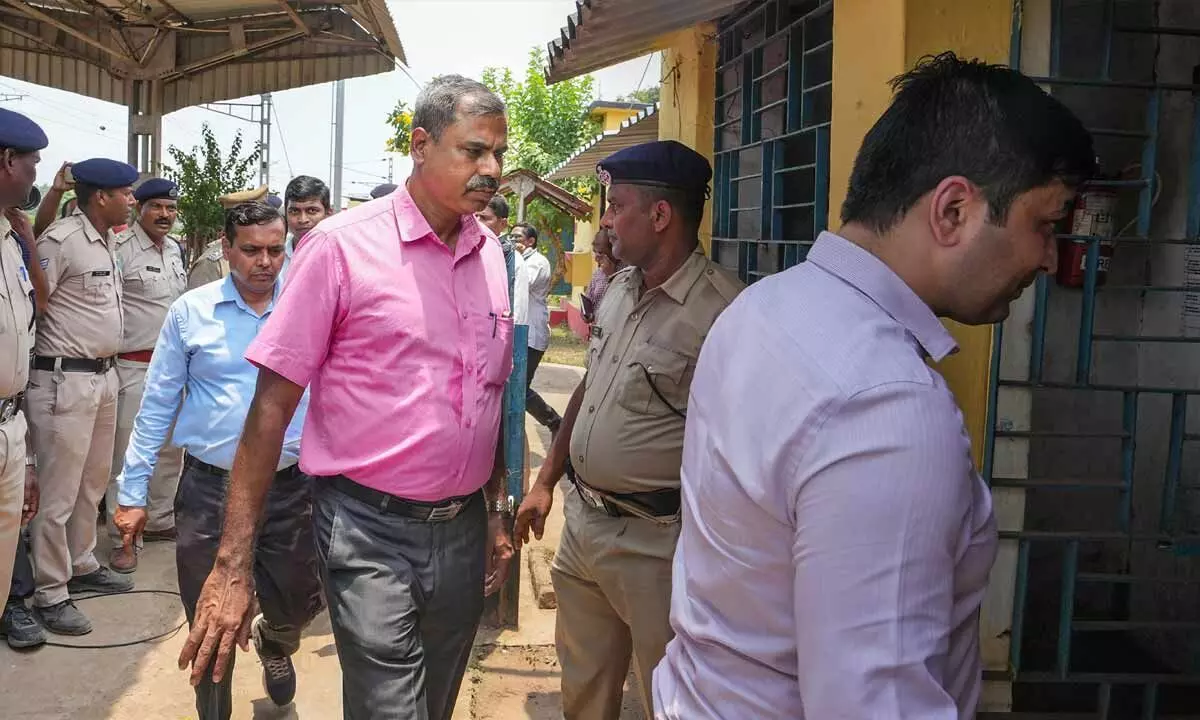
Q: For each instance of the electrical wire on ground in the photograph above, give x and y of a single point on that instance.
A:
(128, 643)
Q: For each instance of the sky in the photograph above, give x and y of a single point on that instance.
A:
(439, 36)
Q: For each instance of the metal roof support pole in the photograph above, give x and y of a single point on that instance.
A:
(145, 102)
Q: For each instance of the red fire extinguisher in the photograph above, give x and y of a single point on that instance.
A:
(1092, 215)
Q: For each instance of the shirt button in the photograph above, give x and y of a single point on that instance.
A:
(470, 367)
(592, 409)
(580, 458)
(633, 317)
(468, 423)
(614, 358)
(464, 315)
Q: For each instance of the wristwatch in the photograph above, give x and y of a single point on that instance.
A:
(30, 460)
(501, 505)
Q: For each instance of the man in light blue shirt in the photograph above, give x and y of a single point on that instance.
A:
(199, 371)
(539, 275)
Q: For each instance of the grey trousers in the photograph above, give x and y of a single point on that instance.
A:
(405, 599)
(286, 576)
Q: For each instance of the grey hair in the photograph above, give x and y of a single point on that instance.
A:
(438, 103)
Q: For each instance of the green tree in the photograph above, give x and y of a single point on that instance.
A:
(401, 121)
(546, 123)
(203, 175)
(649, 96)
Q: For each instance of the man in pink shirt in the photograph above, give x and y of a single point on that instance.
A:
(396, 315)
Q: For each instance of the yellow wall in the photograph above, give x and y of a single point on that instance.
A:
(874, 41)
(688, 97)
(612, 118)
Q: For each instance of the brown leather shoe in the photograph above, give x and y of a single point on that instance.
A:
(123, 560)
(167, 535)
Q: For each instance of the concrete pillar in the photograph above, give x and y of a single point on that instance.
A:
(688, 99)
(145, 102)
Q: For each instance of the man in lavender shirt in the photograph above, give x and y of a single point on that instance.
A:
(837, 538)
(396, 315)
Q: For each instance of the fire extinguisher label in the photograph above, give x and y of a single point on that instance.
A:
(1102, 263)
(1093, 214)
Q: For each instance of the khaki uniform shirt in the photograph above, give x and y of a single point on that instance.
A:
(83, 314)
(209, 267)
(625, 438)
(152, 278)
(16, 315)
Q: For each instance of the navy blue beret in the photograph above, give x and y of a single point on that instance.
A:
(156, 188)
(381, 190)
(664, 163)
(104, 173)
(20, 133)
(274, 201)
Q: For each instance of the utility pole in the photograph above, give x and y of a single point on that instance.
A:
(339, 119)
(264, 140)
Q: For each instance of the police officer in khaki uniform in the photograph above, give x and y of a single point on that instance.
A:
(152, 277)
(72, 396)
(624, 430)
(20, 141)
(211, 265)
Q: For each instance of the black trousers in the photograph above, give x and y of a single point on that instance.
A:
(286, 575)
(22, 586)
(541, 411)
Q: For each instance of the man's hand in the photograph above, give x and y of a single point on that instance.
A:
(534, 510)
(223, 615)
(130, 521)
(60, 184)
(20, 224)
(32, 496)
(499, 552)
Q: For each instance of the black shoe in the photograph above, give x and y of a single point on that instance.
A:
(279, 676)
(102, 580)
(20, 628)
(64, 619)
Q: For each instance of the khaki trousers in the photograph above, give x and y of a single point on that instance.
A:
(160, 505)
(73, 417)
(12, 494)
(613, 581)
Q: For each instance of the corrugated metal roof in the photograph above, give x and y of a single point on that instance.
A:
(562, 199)
(200, 50)
(634, 131)
(605, 32)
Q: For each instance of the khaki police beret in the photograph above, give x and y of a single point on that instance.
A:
(231, 200)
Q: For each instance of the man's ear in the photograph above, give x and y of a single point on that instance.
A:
(953, 204)
(418, 145)
(661, 213)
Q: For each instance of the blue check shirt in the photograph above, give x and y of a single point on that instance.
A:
(199, 370)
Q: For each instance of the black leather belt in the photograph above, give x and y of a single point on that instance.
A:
(78, 365)
(190, 461)
(440, 511)
(653, 504)
(9, 407)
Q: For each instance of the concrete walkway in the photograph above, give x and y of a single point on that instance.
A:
(514, 674)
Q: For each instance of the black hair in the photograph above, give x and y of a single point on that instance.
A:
(306, 187)
(84, 193)
(247, 214)
(987, 123)
(527, 231)
(688, 205)
(66, 208)
(499, 206)
(441, 100)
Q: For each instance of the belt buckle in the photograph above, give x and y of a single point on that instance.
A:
(444, 513)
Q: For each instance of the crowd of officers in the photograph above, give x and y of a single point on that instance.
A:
(88, 298)
(84, 291)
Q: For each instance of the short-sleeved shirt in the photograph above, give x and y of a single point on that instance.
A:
(209, 267)
(16, 315)
(82, 318)
(627, 438)
(152, 277)
(405, 346)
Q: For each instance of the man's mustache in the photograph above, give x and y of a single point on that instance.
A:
(483, 182)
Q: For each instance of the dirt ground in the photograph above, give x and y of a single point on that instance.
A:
(514, 674)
